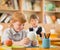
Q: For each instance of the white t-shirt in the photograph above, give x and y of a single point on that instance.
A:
(35, 29)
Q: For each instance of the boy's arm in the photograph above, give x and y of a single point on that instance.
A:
(22, 42)
(5, 36)
(18, 43)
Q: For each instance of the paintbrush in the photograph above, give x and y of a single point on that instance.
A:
(47, 35)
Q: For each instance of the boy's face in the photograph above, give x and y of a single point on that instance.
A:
(34, 22)
(18, 26)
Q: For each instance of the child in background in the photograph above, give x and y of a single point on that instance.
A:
(34, 26)
(16, 32)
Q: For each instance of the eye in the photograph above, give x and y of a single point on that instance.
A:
(23, 24)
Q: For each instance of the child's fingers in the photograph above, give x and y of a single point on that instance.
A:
(34, 43)
(26, 40)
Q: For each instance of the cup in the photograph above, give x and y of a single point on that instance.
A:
(46, 43)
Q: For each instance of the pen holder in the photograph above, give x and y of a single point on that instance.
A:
(46, 43)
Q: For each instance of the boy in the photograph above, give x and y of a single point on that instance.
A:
(16, 32)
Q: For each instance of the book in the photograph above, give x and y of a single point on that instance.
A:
(37, 7)
(2, 2)
(16, 4)
(9, 4)
(27, 5)
(7, 20)
(3, 17)
(24, 5)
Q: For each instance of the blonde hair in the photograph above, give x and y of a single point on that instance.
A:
(18, 17)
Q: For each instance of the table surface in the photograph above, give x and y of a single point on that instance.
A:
(30, 48)
(53, 39)
(42, 48)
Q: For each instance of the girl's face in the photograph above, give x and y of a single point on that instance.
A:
(18, 26)
(34, 22)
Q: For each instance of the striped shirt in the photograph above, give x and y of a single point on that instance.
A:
(10, 33)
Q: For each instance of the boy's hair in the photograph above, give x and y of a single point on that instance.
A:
(33, 16)
(18, 17)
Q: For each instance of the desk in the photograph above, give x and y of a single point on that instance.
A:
(42, 49)
(39, 48)
(35, 48)
(31, 48)
(54, 41)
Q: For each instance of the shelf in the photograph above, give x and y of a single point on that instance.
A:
(36, 0)
(9, 10)
(52, 0)
(52, 11)
(32, 11)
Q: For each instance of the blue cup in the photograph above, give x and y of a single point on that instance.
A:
(46, 43)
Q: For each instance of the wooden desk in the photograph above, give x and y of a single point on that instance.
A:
(42, 49)
(35, 49)
(39, 48)
(31, 48)
(54, 41)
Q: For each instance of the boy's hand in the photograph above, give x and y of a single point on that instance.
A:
(34, 43)
(25, 41)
